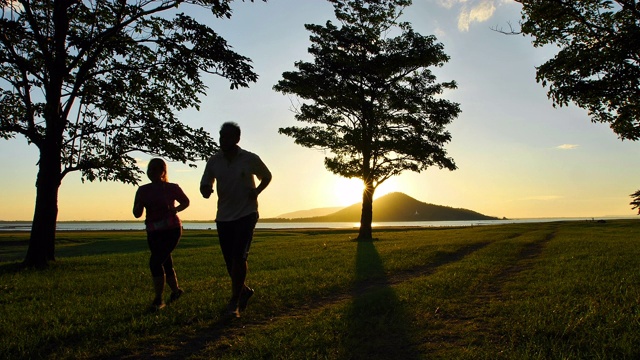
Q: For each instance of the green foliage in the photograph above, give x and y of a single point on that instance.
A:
(635, 204)
(96, 81)
(90, 83)
(598, 64)
(373, 102)
(563, 290)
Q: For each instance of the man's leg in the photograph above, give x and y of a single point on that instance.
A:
(244, 292)
(227, 237)
(238, 277)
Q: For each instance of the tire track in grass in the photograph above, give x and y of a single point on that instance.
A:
(491, 291)
(363, 287)
(217, 338)
(525, 260)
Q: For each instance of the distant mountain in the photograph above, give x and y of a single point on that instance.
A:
(399, 207)
(309, 213)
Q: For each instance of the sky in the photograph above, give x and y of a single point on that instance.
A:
(517, 155)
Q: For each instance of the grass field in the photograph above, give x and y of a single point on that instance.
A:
(561, 290)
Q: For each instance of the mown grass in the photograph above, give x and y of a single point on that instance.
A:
(565, 290)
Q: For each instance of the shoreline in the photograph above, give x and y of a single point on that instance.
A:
(308, 220)
(66, 226)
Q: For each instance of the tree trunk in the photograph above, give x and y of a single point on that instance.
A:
(43, 228)
(366, 218)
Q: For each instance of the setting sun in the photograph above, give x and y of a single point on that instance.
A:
(349, 191)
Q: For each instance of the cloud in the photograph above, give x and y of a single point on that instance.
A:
(450, 3)
(478, 11)
(567, 146)
(439, 32)
(472, 11)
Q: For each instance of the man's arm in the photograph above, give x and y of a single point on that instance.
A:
(263, 173)
(263, 184)
(206, 183)
(206, 190)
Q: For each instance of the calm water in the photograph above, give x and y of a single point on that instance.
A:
(138, 225)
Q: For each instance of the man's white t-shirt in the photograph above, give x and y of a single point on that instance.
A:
(235, 183)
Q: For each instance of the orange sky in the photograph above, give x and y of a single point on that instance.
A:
(517, 156)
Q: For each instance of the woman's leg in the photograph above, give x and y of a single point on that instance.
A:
(161, 243)
(173, 238)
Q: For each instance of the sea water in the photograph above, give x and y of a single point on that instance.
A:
(139, 225)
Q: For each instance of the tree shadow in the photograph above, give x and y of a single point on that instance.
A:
(378, 323)
(181, 345)
(13, 267)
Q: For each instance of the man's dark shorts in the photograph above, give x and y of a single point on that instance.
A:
(236, 236)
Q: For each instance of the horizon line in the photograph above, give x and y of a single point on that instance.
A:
(276, 218)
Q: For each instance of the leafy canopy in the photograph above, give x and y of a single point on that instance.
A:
(372, 100)
(99, 80)
(598, 64)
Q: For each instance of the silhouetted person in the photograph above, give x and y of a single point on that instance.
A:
(163, 226)
(237, 215)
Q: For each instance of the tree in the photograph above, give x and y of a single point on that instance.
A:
(635, 204)
(374, 104)
(91, 82)
(598, 64)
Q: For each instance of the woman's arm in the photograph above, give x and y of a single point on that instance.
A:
(138, 207)
(182, 199)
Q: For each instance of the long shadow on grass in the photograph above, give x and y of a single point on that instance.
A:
(177, 347)
(378, 324)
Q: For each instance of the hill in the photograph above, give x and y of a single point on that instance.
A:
(399, 207)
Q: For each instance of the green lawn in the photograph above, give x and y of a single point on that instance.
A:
(562, 290)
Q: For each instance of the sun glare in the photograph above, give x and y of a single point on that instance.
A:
(349, 191)
(386, 187)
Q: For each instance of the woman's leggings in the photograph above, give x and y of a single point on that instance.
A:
(161, 243)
